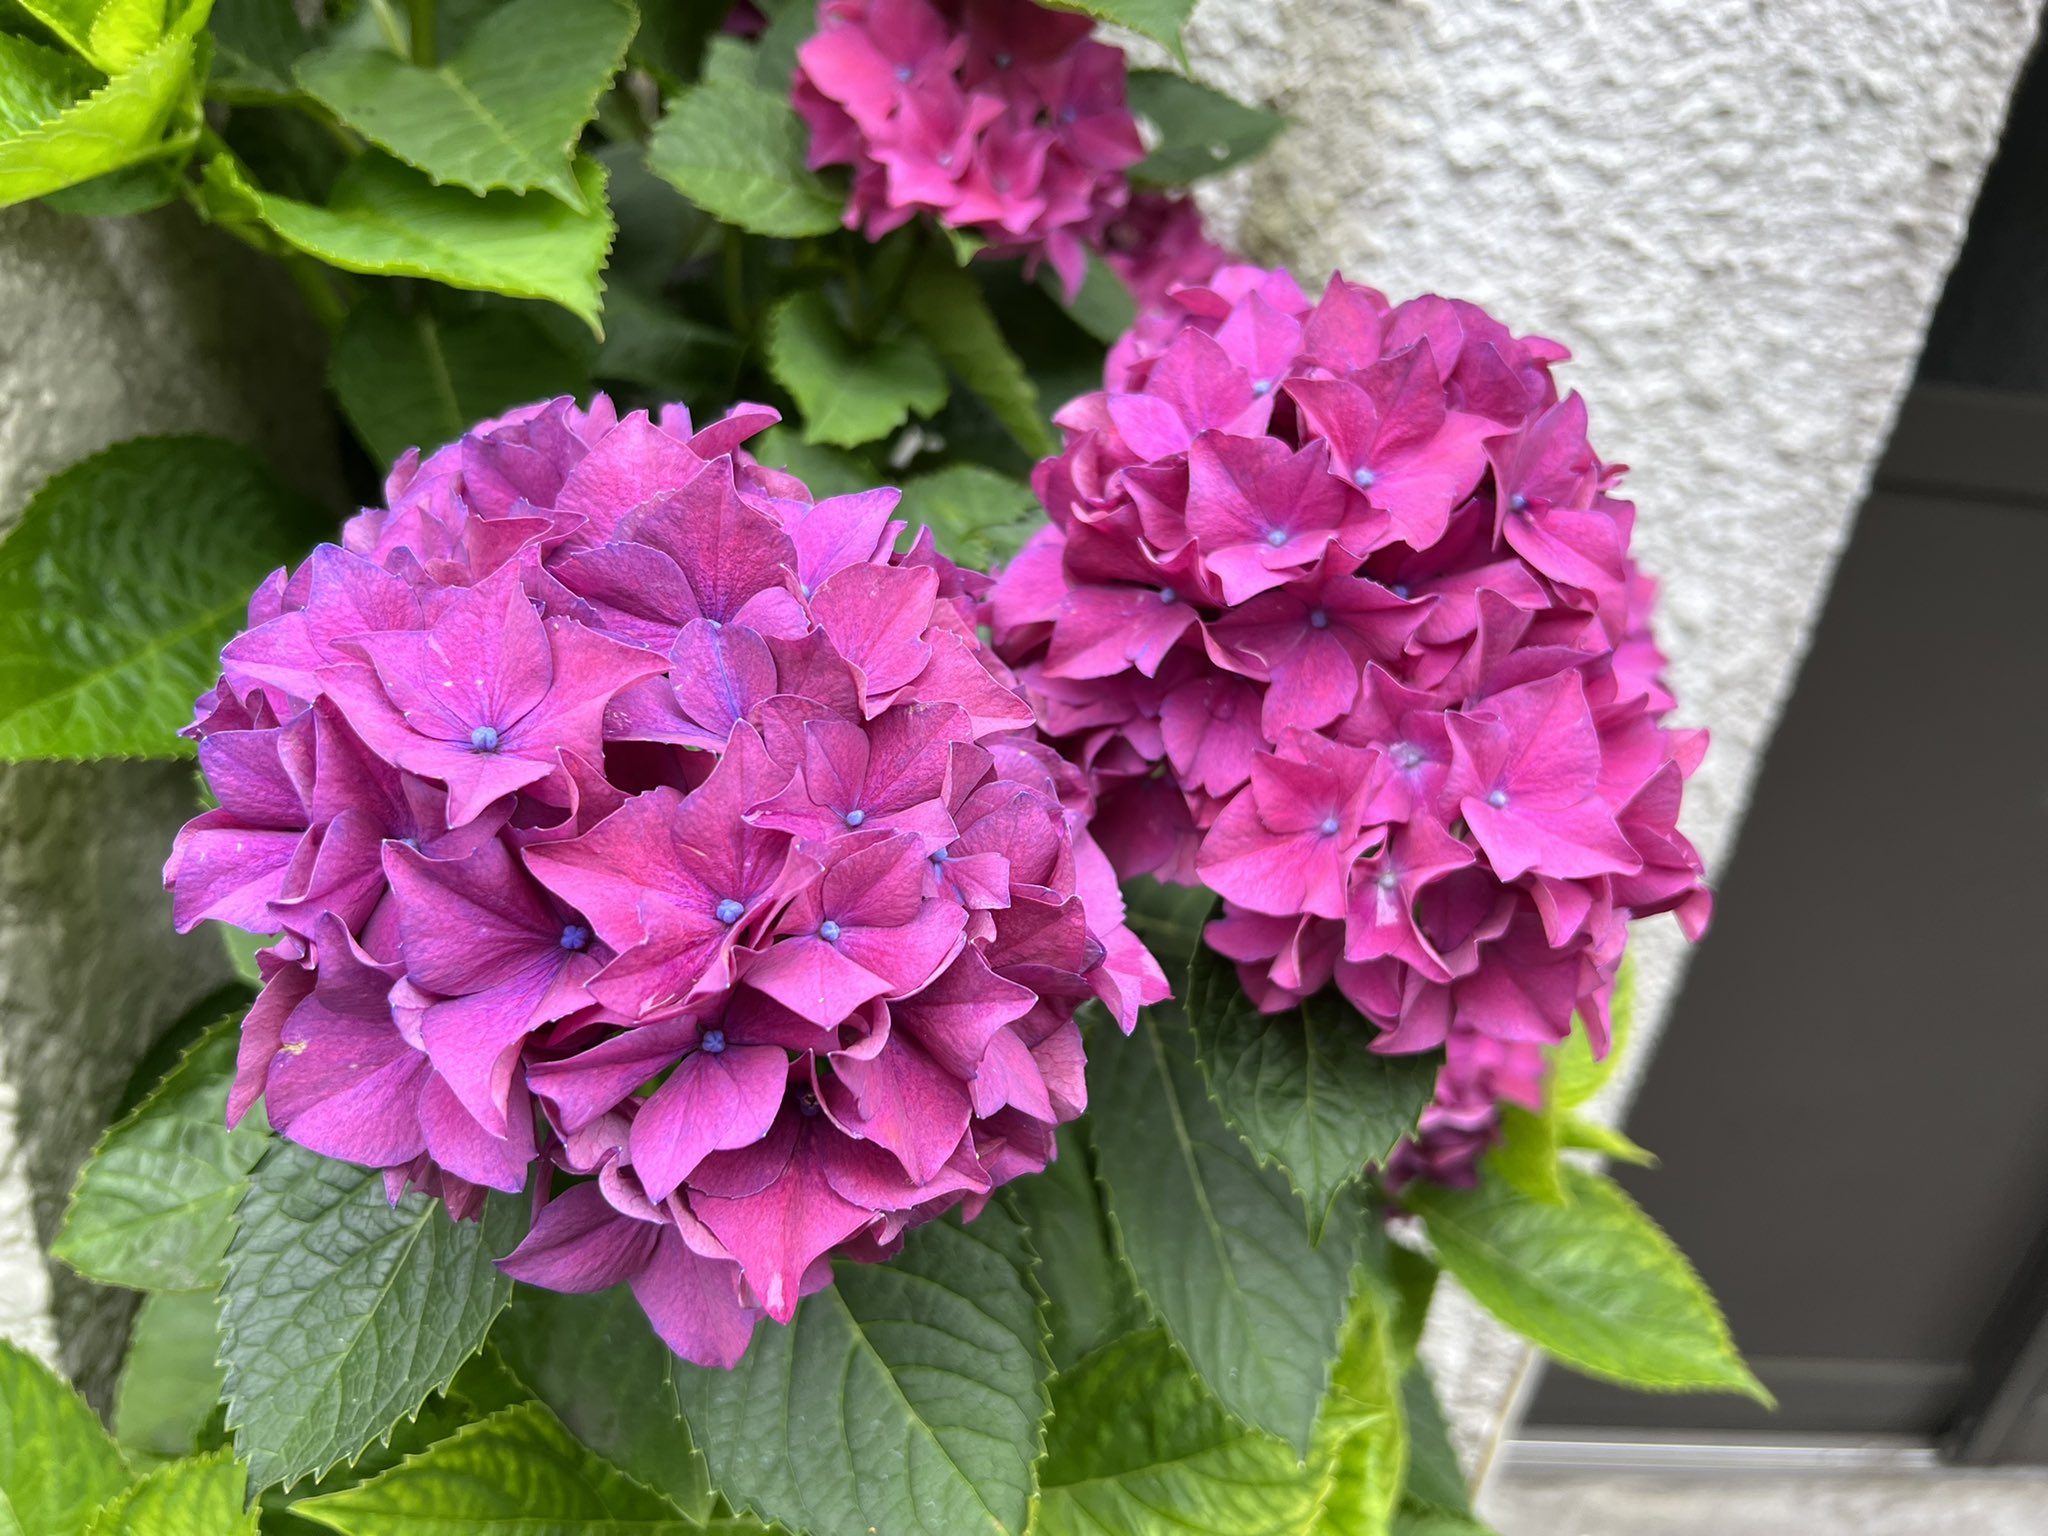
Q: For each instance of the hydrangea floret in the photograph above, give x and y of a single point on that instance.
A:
(1003, 120)
(645, 833)
(1336, 606)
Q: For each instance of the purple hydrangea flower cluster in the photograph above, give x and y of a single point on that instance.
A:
(1000, 118)
(644, 832)
(1157, 244)
(1337, 607)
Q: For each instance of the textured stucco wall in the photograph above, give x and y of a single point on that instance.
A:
(110, 329)
(1737, 214)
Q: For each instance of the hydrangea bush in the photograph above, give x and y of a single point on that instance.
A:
(901, 744)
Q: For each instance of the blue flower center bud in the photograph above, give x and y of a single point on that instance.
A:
(1262, 387)
(728, 911)
(1400, 590)
(1407, 754)
(1276, 537)
(713, 1041)
(411, 842)
(1497, 799)
(1389, 879)
(1518, 502)
(1329, 826)
(804, 587)
(1362, 478)
(855, 817)
(574, 936)
(808, 1104)
(903, 73)
(1069, 116)
(941, 856)
(484, 738)
(1002, 61)
(829, 931)
(1168, 595)
(1318, 619)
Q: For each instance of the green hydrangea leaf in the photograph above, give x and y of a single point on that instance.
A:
(1360, 1452)
(126, 575)
(649, 344)
(1217, 1242)
(1201, 132)
(737, 151)
(418, 376)
(1104, 306)
(200, 1497)
(119, 194)
(1589, 1135)
(155, 1203)
(256, 45)
(1594, 1282)
(56, 1463)
(596, 1362)
(516, 1473)
(111, 34)
(1160, 20)
(977, 516)
(385, 219)
(1301, 1086)
(1091, 1297)
(827, 471)
(61, 125)
(171, 1378)
(1435, 1484)
(341, 1312)
(1169, 918)
(1139, 1447)
(504, 111)
(1526, 1155)
(851, 392)
(908, 1397)
(946, 306)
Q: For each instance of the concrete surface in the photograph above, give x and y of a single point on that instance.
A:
(1737, 215)
(110, 329)
(1635, 1504)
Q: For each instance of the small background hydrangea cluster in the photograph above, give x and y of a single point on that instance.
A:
(645, 832)
(1004, 120)
(1337, 607)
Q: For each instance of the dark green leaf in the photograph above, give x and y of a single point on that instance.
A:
(658, 227)
(1091, 1298)
(851, 391)
(1526, 1155)
(1103, 308)
(155, 1202)
(595, 1361)
(1435, 1479)
(119, 194)
(1160, 20)
(827, 471)
(1361, 1447)
(177, 1038)
(516, 1473)
(945, 304)
(342, 1312)
(504, 111)
(170, 1381)
(1138, 1447)
(789, 23)
(977, 516)
(202, 1497)
(56, 1464)
(256, 44)
(1216, 1241)
(1302, 1086)
(659, 349)
(906, 1398)
(737, 152)
(1201, 131)
(1169, 918)
(419, 376)
(1594, 1282)
(385, 219)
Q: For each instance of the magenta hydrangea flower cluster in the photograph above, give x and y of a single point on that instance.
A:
(1157, 244)
(643, 832)
(1337, 607)
(1000, 118)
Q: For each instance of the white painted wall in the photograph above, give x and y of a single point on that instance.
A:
(1737, 213)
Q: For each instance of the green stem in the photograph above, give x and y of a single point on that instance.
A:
(389, 24)
(423, 50)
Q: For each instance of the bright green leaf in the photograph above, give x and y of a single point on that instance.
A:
(256, 44)
(1301, 1085)
(1138, 1447)
(505, 111)
(1595, 1282)
(155, 1203)
(1104, 307)
(737, 152)
(387, 220)
(1589, 1135)
(827, 471)
(946, 305)
(56, 1464)
(851, 392)
(111, 34)
(1405, 1280)
(1160, 20)
(907, 1398)
(201, 1497)
(1216, 1241)
(126, 575)
(421, 376)
(1201, 131)
(1526, 1155)
(1575, 1077)
(595, 1361)
(1091, 1298)
(60, 126)
(516, 1473)
(341, 1312)
(170, 1381)
(977, 516)
(1360, 1452)
(241, 948)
